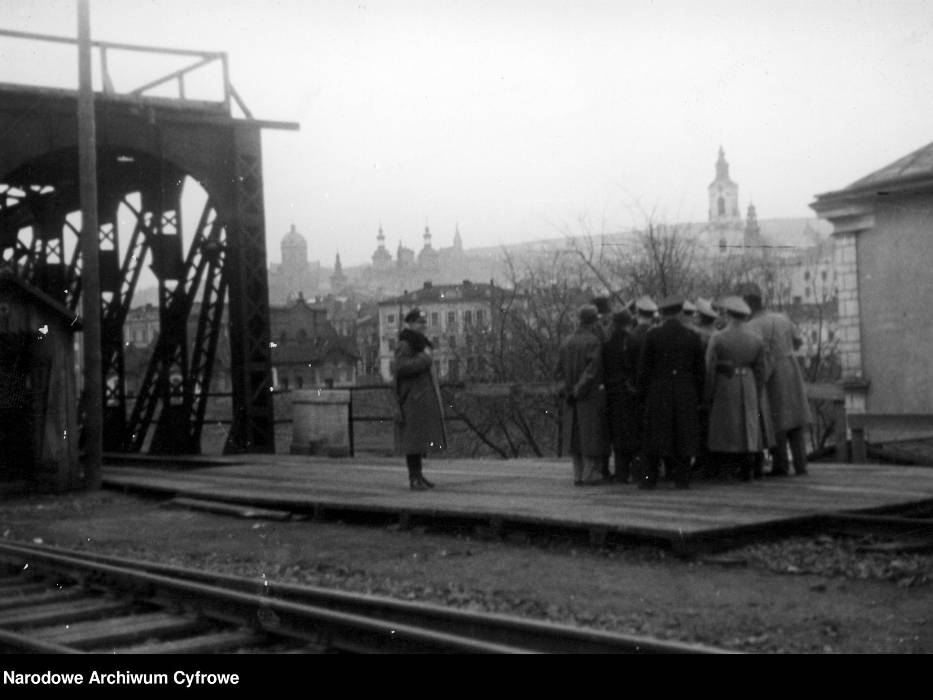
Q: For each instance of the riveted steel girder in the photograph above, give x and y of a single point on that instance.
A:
(146, 150)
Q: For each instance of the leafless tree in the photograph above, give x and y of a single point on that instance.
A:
(511, 405)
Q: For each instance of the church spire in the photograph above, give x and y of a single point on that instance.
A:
(752, 229)
(723, 196)
(338, 280)
(381, 257)
(722, 166)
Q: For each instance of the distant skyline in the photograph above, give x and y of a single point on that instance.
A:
(518, 119)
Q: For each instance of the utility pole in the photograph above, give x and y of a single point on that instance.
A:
(90, 256)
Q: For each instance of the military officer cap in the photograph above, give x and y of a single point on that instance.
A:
(705, 308)
(415, 315)
(689, 307)
(672, 303)
(646, 305)
(588, 314)
(736, 305)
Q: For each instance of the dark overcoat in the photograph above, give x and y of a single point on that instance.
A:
(670, 378)
(579, 369)
(421, 411)
(705, 333)
(783, 377)
(614, 380)
(735, 373)
(630, 431)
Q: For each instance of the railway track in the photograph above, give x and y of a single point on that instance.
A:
(54, 600)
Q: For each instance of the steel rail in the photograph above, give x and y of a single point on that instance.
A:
(511, 631)
(330, 629)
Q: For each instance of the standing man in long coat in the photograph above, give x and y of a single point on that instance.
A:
(616, 379)
(631, 431)
(705, 326)
(420, 419)
(787, 397)
(579, 369)
(735, 369)
(670, 378)
(603, 330)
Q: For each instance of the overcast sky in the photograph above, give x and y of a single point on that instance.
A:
(515, 119)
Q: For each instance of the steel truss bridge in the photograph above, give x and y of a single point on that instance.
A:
(147, 148)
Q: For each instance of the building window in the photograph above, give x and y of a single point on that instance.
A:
(467, 318)
(391, 345)
(285, 384)
(721, 206)
(451, 341)
(390, 319)
(434, 318)
(451, 318)
(480, 316)
(299, 381)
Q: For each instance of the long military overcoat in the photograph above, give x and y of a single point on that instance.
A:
(420, 421)
(735, 369)
(783, 377)
(632, 428)
(670, 378)
(579, 369)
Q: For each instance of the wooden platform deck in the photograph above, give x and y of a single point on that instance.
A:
(537, 493)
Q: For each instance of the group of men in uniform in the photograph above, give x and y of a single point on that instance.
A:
(692, 386)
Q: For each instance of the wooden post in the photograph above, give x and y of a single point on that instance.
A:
(859, 453)
(839, 428)
(90, 256)
(350, 423)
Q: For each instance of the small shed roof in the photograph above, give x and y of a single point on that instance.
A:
(912, 172)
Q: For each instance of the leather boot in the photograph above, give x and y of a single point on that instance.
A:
(415, 480)
(424, 481)
(757, 465)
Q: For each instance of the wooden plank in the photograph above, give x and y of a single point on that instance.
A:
(891, 421)
(526, 493)
(47, 596)
(209, 643)
(22, 589)
(119, 630)
(239, 511)
(55, 613)
(824, 392)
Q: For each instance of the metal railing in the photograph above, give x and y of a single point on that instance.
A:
(202, 59)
